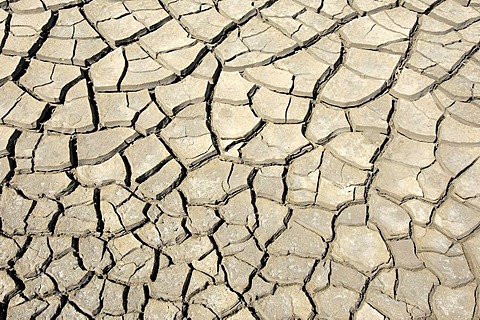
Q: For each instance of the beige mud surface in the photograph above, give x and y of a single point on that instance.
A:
(240, 159)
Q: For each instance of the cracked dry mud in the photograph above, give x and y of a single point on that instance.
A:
(240, 159)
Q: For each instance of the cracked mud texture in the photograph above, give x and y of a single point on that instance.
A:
(240, 159)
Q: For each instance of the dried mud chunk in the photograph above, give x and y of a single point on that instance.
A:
(287, 269)
(43, 214)
(144, 155)
(348, 239)
(88, 297)
(271, 217)
(189, 137)
(232, 88)
(450, 303)
(251, 45)
(326, 122)
(325, 301)
(77, 221)
(451, 271)
(143, 72)
(133, 261)
(75, 114)
(302, 177)
(268, 145)
(202, 220)
(299, 241)
(425, 114)
(379, 29)
(217, 25)
(23, 309)
(99, 146)
(10, 68)
(156, 310)
(67, 272)
(107, 72)
(8, 250)
(113, 292)
(268, 183)
(169, 282)
(404, 254)
(219, 299)
(161, 182)
(189, 250)
(409, 151)
(279, 108)
(13, 211)
(38, 185)
(111, 171)
(214, 181)
(7, 286)
(397, 180)
(455, 219)
(392, 220)
(52, 153)
(174, 97)
(368, 72)
(411, 85)
(168, 37)
(93, 253)
(355, 148)
(49, 81)
(286, 302)
(25, 31)
(34, 258)
(454, 131)
(232, 123)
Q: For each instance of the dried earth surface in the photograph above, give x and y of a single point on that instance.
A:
(240, 159)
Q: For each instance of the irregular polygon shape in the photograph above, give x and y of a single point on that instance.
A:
(106, 73)
(38, 185)
(162, 181)
(392, 220)
(325, 301)
(213, 181)
(189, 136)
(397, 179)
(232, 123)
(52, 153)
(285, 303)
(168, 37)
(133, 260)
(326, 122)
(145, 154)
(75, 114)
(280, 108)
(268, 145)
(77, 221)
(417, 119)
(451, 271)
(288, 270)
(354, 148)
(175, 97)
(456, 219)
(411, 85)
(349, 239)
(49, 81)
(347, 88)
(410, 152)
(98, 175)
(99, 146)
(458, 303)
(207, 25)
(232, 88)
